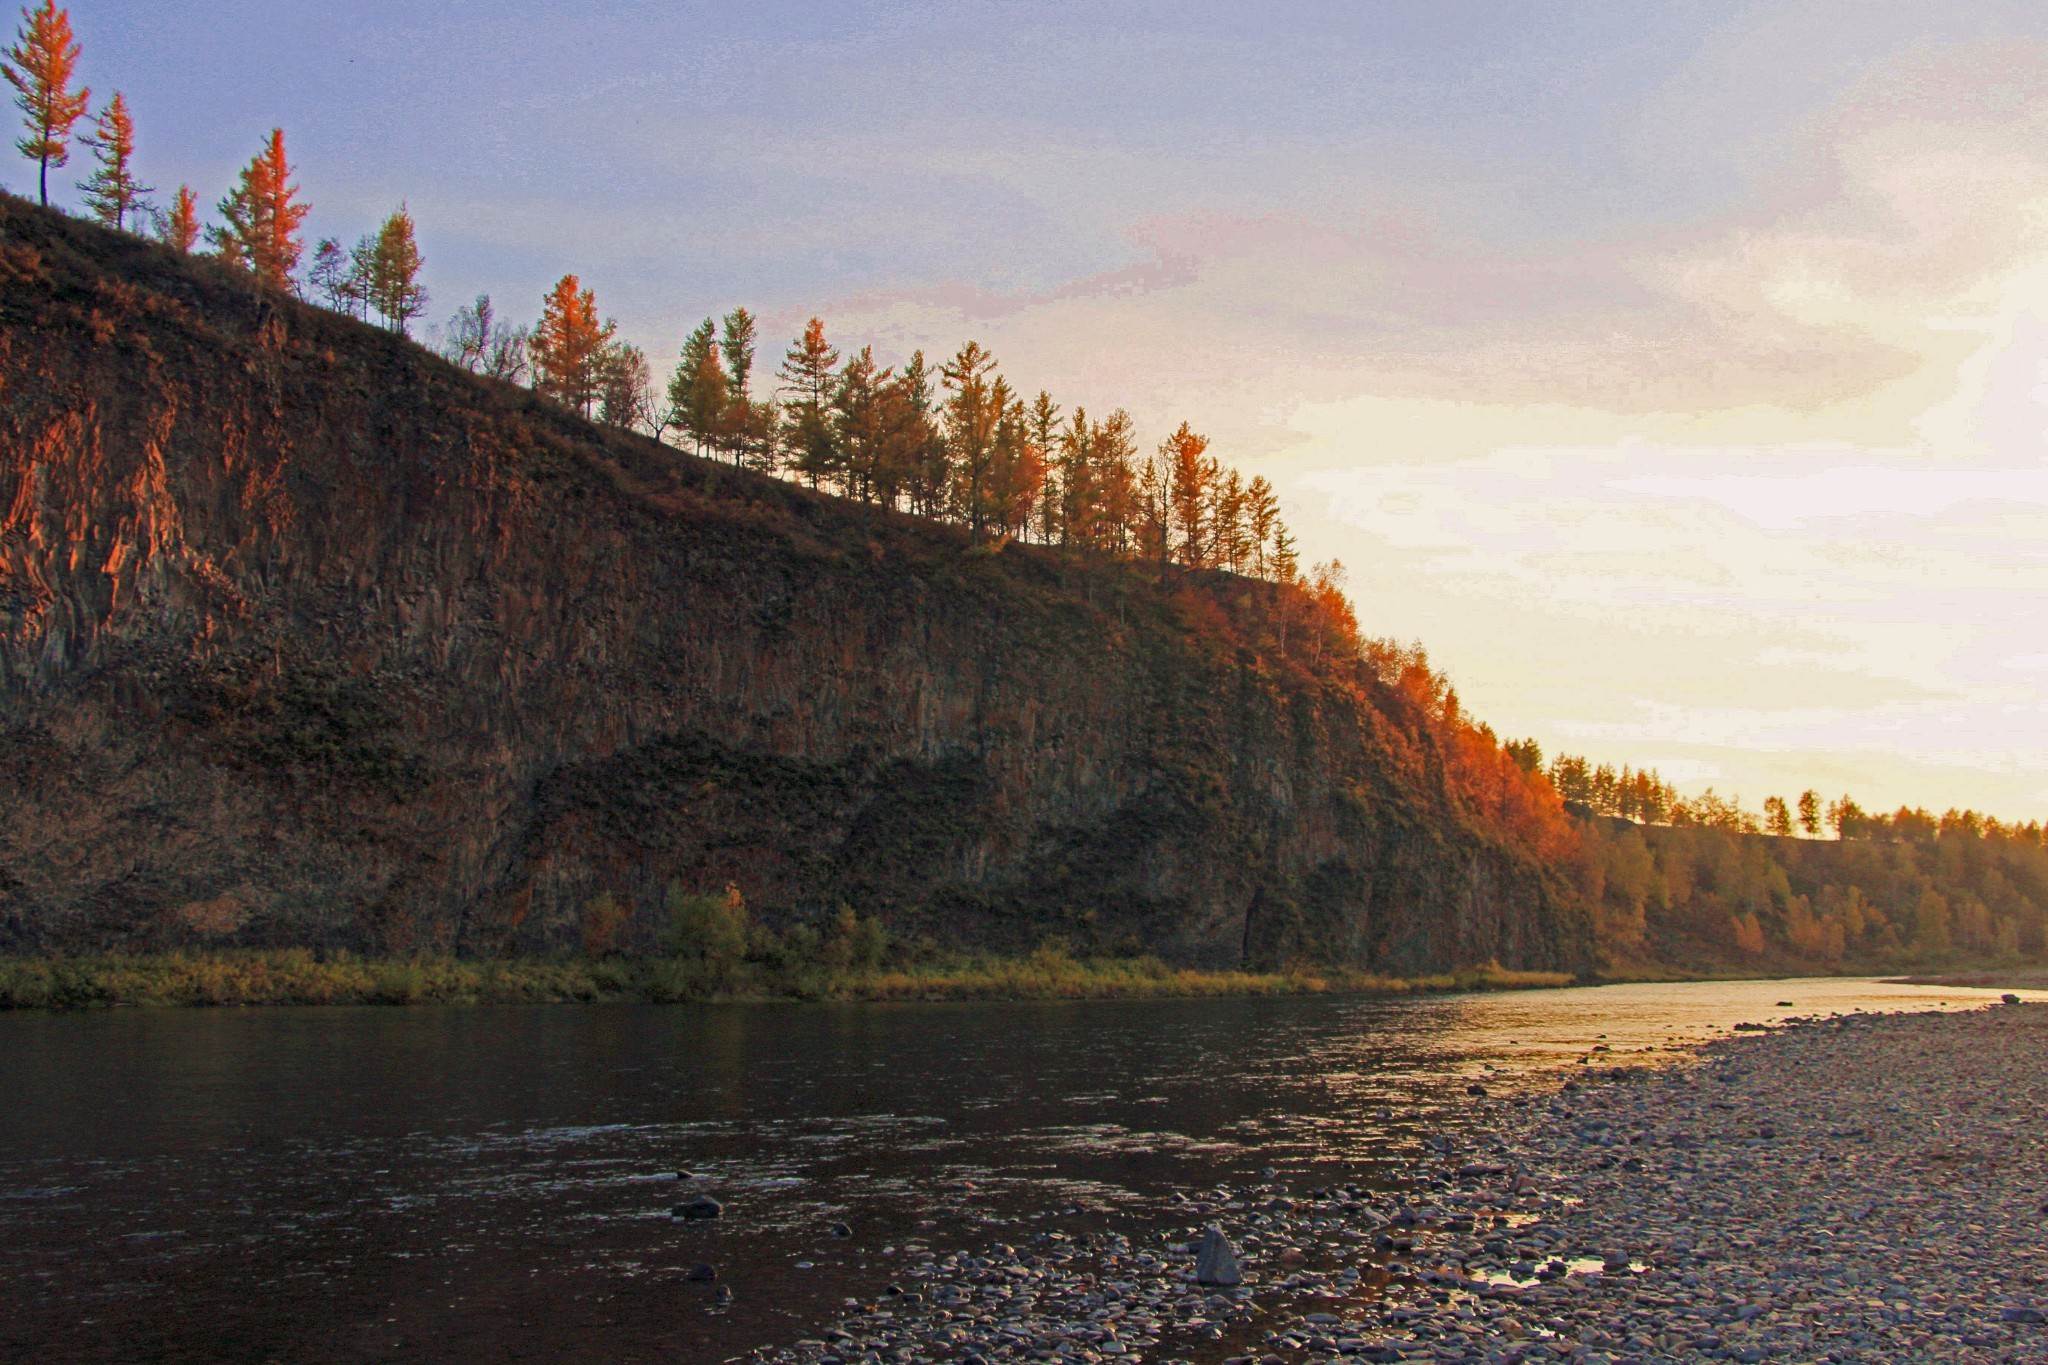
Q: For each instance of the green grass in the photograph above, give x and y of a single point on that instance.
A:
(296, 977)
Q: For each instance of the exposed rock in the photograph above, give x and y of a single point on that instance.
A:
(308, 629)
(1215, 1261)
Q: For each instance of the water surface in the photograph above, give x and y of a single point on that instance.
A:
(495, 1183)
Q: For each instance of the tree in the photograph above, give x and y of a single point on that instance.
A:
(1230, 546)
(178, 228)
(699, 393)
(927, 472)
(263, 218)
(113, 192)
(481, 344)
(1190, 472)
(39, 66)
(1846, 819)
(1286, 562)
(1262, 519)
(338, 277)
(1777, 817)
(973, 410)
(391, 273)
(809, 374)
(738, 349)
(1809, 813)
(1042, 435)
(567, 349)
(860, 424)
(625, 388)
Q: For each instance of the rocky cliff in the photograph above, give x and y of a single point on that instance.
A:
(307, 637)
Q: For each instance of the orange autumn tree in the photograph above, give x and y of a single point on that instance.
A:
(39, 66)
(113, 192)
(178, 227)
(569, 347)
(263, 218)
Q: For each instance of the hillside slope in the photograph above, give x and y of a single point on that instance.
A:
(307, 637)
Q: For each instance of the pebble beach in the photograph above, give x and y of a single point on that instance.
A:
(1858, 1188)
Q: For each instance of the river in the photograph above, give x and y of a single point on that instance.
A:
(448, 1184)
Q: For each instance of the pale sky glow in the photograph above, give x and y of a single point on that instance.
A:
(1677, 373)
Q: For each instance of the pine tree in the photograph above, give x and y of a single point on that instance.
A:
(747, 424)
(1228, 537)
(1113, 454)
(39, 66)
(809, 374)
(392, 285)
(263, 217)
(178, 228)
(928, 471)
(1286, 562)
(699, 393)
(737, 347)
(971, 414)
(1153, 531)
(1262, 516)
(568, 347)
(860, 424)
(113, 192)
(1190, 472)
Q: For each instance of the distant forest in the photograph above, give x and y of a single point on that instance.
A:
(1668, 879)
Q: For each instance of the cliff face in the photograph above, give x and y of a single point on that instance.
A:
(308, 638)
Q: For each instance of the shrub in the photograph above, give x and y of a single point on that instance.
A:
(709, 930)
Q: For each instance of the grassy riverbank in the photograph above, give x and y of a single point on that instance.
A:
(296, 977)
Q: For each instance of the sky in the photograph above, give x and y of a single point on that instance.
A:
(1676, 373)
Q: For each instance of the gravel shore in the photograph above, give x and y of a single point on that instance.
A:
(1867, 1188)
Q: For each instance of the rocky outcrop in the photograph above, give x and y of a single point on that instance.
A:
(307, 637)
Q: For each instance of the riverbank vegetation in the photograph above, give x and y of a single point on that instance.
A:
(709, 949)
(297, 977)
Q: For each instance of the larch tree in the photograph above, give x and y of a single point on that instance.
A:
(392, 284)
(737, 346)
(973, 409)
(567, 348)
(1190, 472)
(1114, 444)
(263, 216)
(809, 375)
(1777, 817)
(860, 425)
(113, 192)
(700, 392)
(927, 470)
(1262, 518)
(1809, 813)
(178, 226)
(1042, 430)
(40, 66)
(747, 425)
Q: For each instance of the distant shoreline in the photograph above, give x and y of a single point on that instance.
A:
(297, 977)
